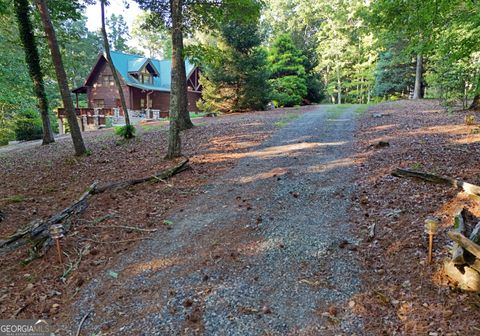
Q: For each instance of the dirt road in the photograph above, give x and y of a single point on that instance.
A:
(265, 250)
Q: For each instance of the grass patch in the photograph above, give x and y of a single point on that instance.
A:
(286, 120)
(194, 115)
(363, 108)
(416, 166)
(14, 199)
(149, 128)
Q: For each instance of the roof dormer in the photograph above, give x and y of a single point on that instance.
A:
(143, 70)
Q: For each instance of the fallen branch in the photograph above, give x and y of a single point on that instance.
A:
(81, 323)
(160, 176)
(432, 178)
(464, 242)
(37, 232)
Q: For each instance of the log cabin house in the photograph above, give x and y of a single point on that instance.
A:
(146, 85)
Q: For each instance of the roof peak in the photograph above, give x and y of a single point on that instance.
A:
(139, 56)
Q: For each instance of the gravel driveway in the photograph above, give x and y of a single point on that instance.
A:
(266, 250)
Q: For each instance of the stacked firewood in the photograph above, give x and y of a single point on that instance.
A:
(463, 269)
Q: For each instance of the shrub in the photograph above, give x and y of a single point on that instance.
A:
(108, 122)
(6, 135)
(28, 126)
(289, 90)
(126, 132)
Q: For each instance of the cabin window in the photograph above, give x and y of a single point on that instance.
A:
(98, 103)
(146, 78)
(108, 80)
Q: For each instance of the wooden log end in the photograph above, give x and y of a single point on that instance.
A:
(462, 277)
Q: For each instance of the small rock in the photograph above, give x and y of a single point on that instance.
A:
(351, 304)
(266, 310)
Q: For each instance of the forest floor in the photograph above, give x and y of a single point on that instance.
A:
(402, 294)
(242, 262)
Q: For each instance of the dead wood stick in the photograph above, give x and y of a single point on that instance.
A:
(133, 228)
(81, 323)
(181, 166)
(464, 242)
(117, 241)
(432, 178)
(458, 226)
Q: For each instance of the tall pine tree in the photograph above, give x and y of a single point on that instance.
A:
(288, 77)
(235, 75)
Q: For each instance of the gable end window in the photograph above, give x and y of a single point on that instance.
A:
(108, 80)
(98, 103)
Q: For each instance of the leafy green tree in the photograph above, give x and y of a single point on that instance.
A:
(15, 84)
(235, 74)
(156, 41)
(62, 79)
(288, 77)
(79, 47)
(394, 74)
(22, 10)
(118, 32)
(178, 16)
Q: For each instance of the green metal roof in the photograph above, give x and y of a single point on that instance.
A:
(125, 64)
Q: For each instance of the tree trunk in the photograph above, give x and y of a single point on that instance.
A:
(106, 46)
(178, 68)
(417, 91)
(476, 99)
(178, 92)
(32, 58)
(77, 139)
(339, 87)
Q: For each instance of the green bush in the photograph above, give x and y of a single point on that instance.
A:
(28, 126)
(288, 90)
(126, 132)
(6, 135)
(108, 122)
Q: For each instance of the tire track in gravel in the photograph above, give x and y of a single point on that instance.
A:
(260, 253)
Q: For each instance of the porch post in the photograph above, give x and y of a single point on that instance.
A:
(61, 129)
(76, 98)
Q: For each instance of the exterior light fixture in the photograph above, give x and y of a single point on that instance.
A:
(56, 232)
(431, 227)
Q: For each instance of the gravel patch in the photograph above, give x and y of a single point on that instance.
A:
(265, 250)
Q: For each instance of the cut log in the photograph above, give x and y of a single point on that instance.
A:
(432, 178)
(457, 250)
(463, 277)
(475, 235)
(466, 243)
(475, 265)
(37, 233)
